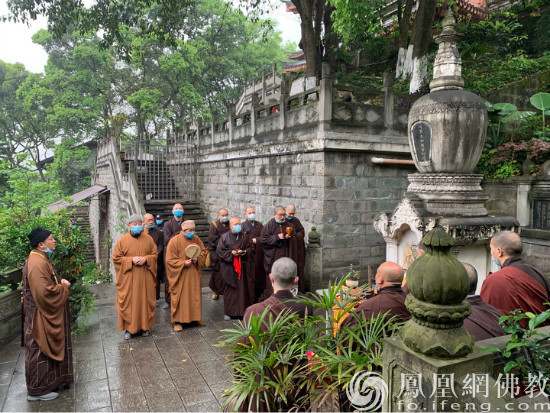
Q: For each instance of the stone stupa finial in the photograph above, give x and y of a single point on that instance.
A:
(447, 72)
(438, 285)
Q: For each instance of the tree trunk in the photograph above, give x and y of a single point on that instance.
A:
(331, 39)
(420, 40)
(404, 18)
(309, 43)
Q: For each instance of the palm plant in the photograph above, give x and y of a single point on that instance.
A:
(269, 353)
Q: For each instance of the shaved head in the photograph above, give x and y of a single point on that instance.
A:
(509, 242)
(148, 216)
(291, 208)
(223, 211)
(279, 209)
(472, 276)
(390, 272)
(249, 210)
(234, 221)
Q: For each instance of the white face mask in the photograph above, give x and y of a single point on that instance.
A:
(251, 217)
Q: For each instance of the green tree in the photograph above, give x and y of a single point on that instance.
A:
(69, 167)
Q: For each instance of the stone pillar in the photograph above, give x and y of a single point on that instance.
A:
(253, 108)
(325, 94)
(263, 88)
(523, 204)
(230, 120)
(314, 261)
(283, 102)
(389, 98)
(212, 131)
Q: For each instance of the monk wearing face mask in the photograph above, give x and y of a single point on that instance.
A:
(135, 260)
(184, 273)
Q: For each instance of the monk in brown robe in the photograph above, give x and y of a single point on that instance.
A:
(278, 240)
(135, 260)
(47, 322)
(217, 229)
(483, 322)
(300, 235)
(255, 262)
(184, 277)
(158, 237)
(390, 297)
(517, 285)
(233, 252)
(170, 229)
(283, 278)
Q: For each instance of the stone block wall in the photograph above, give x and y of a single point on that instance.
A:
(338, 192)
(10, 316)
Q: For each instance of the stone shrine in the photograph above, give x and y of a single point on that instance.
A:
(447, 129)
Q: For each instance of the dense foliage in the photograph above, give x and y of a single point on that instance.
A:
(286, 360)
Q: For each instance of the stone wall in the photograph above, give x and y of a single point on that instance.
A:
(123, 200)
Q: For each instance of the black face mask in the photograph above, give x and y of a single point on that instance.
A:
(134, 235)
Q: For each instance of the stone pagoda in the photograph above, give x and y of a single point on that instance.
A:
(447, 129)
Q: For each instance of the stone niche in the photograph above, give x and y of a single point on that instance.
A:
(404, 229)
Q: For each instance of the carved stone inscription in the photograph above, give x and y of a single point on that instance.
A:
(540, 214)
(421, 133)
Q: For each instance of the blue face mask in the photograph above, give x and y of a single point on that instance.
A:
(74, 226)
(496, 262)
(48, 251)
(376, 287)
(159, 222)
(137, 229)
(178, 213)
(224, 219)
(282, 221)
(289, 218)
(251, 217)
(237, 229)
(149, 226)
(189, 235)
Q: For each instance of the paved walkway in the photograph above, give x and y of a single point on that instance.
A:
(166, 371)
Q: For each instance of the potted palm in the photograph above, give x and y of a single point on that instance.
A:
(286, 363)
(352, 277)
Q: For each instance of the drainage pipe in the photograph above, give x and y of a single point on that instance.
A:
(388, 161)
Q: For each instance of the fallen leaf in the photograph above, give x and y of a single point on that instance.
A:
(184, 360)
(131, 348)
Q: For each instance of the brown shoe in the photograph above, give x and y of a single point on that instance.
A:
(215, 296)
(177, 327)
(201, 323)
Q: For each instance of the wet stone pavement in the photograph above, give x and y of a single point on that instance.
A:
(166, 371)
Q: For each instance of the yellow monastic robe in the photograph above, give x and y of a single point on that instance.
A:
(185, 283)
(135, 299)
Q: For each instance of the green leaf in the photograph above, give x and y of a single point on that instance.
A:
(540, 100)
(510, 365)
(519, 115)
(505, 107)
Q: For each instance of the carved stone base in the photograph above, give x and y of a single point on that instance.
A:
(445, 344)
(449, 194)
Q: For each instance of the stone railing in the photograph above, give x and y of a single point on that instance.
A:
(123, 181)
(326, 102)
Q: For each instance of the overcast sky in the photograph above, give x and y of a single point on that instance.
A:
(16, 39)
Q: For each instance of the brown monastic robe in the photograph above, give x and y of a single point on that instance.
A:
(300, 234)
(483, 322)
(135, 299)
(47, 326)
(282, 300)
(236, 294)
(171, 228)
(516, 285)
(217, 229)
(158, 238)
(388, 298)
(185, 283)
(275, 248)
(255, 262)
